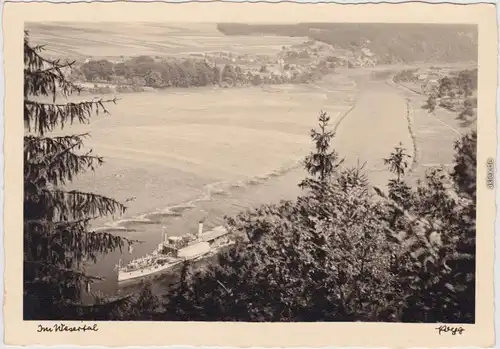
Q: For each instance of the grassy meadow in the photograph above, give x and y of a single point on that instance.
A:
(112, 40)
(185, 154)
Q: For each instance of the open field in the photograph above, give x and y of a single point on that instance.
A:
(112, 40)
(390, 42)
(183, 155)
(435, 134)
(190, 154)
(202, 153)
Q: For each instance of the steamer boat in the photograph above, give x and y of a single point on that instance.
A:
(175, 250)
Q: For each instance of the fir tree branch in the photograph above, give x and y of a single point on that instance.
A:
(46, 117)
(60, 168)
(64, 141)
(52, 68)
(45, 82)
(33, 58)
(45, 241)
(51, 225)
(53, 159)
(65, 271)
(36, 147)
(50, 228)
(74, 204)
(77, 104)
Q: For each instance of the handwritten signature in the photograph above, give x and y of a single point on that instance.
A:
(454, 330)
(64, 328)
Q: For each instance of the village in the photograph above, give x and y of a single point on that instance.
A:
(295, 64)
(451, 88)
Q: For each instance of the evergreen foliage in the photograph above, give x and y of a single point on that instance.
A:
(464, 172)
(323, 162)
(390, 42)
(57, 239)
(337, 254)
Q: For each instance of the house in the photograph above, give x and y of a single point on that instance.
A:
(367, 52)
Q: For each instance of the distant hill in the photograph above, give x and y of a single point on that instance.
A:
(390, 43)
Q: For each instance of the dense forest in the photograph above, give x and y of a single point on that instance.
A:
(145, 71)
(342, 251)
(391, 43)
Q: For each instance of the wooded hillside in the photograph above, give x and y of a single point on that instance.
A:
(391, 43)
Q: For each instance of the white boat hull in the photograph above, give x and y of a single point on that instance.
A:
(140, 273)
(189, 255)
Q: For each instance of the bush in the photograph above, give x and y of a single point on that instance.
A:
(464, 171)
(256, 80)
(336, 254)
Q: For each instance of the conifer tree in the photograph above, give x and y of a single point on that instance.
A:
(57, 240)
(322, 163)
(464, 171)
(399, 190)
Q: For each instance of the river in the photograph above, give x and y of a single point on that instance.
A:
(185, 155)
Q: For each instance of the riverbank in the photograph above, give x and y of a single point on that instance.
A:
(107, 89)
(206, 154)
(378, 106)
(434, 133)
(192, 154)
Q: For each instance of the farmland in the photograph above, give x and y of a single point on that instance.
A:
(434, 130)
(112, 40)
(389, 42)
(186, 154)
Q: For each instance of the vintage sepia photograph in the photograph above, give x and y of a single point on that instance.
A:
(238, 171)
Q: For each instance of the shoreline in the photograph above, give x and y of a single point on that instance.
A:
(192, 205)
(214, 87)
(208, 193)
(336, 71)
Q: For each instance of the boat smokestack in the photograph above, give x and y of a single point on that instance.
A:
(200, 228)
(164, 235)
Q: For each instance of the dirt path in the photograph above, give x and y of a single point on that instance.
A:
(435, 133)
